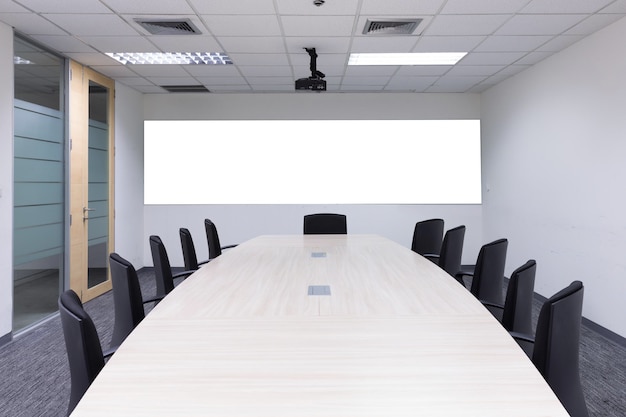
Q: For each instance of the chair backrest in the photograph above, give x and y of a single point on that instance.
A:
(325, 224)
(488, 280)
(213, 239)
(127, 298)
(162, 267)
(557, 343)
(518, 303)
(189, 250)
(82, 343)
(452, 250)
(427, 237)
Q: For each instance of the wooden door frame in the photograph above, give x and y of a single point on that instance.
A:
(79, 176)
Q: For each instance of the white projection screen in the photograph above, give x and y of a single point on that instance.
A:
(312, 162)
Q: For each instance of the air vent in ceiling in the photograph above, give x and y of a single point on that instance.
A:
(169, 27)
(391, 27)
(185, 88)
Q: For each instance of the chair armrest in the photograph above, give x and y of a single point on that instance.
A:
(183, 274)
(154, 299)
(522, 336)
(432, 257)
(490, 304)
(109, 352)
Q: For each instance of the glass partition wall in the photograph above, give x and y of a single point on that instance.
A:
(39, 182)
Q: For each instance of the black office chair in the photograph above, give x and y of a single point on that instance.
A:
(189, 250)
(488, 278)
(84, 353)
(162, 268)
(451, 251)
(325, 224)
(127, 299)
(213, 240)
(427, 238)
(557, 345)
(518, 303)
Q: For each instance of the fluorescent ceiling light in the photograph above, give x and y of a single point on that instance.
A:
(428, 58)
(164, 58)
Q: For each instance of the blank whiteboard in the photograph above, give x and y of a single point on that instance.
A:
(312, 162)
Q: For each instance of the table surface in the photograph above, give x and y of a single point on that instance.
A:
(395, 337)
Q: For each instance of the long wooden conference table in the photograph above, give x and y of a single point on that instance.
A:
(342, 325)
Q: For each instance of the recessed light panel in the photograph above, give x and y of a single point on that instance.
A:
(429, 58)
(174, 58)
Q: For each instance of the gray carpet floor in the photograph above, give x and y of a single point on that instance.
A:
(35, 379)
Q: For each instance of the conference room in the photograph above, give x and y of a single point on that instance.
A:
(549, 148)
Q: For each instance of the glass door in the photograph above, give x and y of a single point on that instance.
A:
(39, 213)
(91, 173)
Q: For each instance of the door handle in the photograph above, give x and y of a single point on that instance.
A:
(85, 211)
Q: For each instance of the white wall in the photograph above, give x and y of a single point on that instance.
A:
(6, 179)
(129, 174)
(554, 170)
(239, 223)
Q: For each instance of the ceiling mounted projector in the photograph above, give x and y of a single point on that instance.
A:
(315, 82)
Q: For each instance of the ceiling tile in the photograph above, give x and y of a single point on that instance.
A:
(242, 25)
(307, 8)
(11, 7)
(532, 58)
(410, 83)
(132, 81)
(173, 80)
(565, 6)
(474, 70)
(31, 24)
(270, 80)
(265, 71)
(172, 7)
(191, 43)
(63, 44)
(213, 70)
(120, 43)
(423, 70)
(245, 7)
(401, 7)
(467, 25)
(483, 6)
(559, 43)
(221, 80)
(317, 25)
(252, 44)
(354, 80)
(328, 45)
(229, 88)
(491, 58)
(593, 24)
(512, 43)
(539, 24)
(617, 7)
(65, 6)
(383, 44)
(161, 70)
(93, 24)
(259, 59)
(90, 59)
(115, 71)
(448, 43)
(377, 70)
